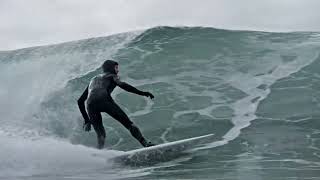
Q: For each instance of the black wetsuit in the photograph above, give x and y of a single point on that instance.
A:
(98, 96)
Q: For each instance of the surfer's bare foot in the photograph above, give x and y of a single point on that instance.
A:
(147, 144)
(101, 140)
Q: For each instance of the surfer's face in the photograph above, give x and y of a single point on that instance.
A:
(116, 69)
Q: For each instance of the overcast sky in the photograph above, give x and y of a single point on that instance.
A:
(25, 23)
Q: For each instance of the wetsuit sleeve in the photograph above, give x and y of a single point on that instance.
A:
(81, 105)
(127, 86)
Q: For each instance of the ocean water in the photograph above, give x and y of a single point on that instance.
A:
(258, 92)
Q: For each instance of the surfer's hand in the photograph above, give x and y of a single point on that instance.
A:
(148, 94)
(87, 126)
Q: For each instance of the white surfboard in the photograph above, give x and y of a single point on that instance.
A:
(162, 152)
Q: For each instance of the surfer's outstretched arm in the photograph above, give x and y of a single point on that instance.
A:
(81, 105)
(130, 88)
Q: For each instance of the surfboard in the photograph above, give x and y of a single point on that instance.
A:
(162, 152)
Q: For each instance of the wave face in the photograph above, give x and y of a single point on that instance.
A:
(258, 92)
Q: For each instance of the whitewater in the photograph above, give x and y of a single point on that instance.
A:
(258, 92)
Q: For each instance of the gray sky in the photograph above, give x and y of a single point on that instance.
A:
(39, 22)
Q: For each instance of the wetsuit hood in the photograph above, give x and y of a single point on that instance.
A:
(108, 66)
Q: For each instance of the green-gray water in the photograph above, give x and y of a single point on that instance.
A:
(258, 92)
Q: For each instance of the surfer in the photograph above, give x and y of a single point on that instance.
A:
(98, 96)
